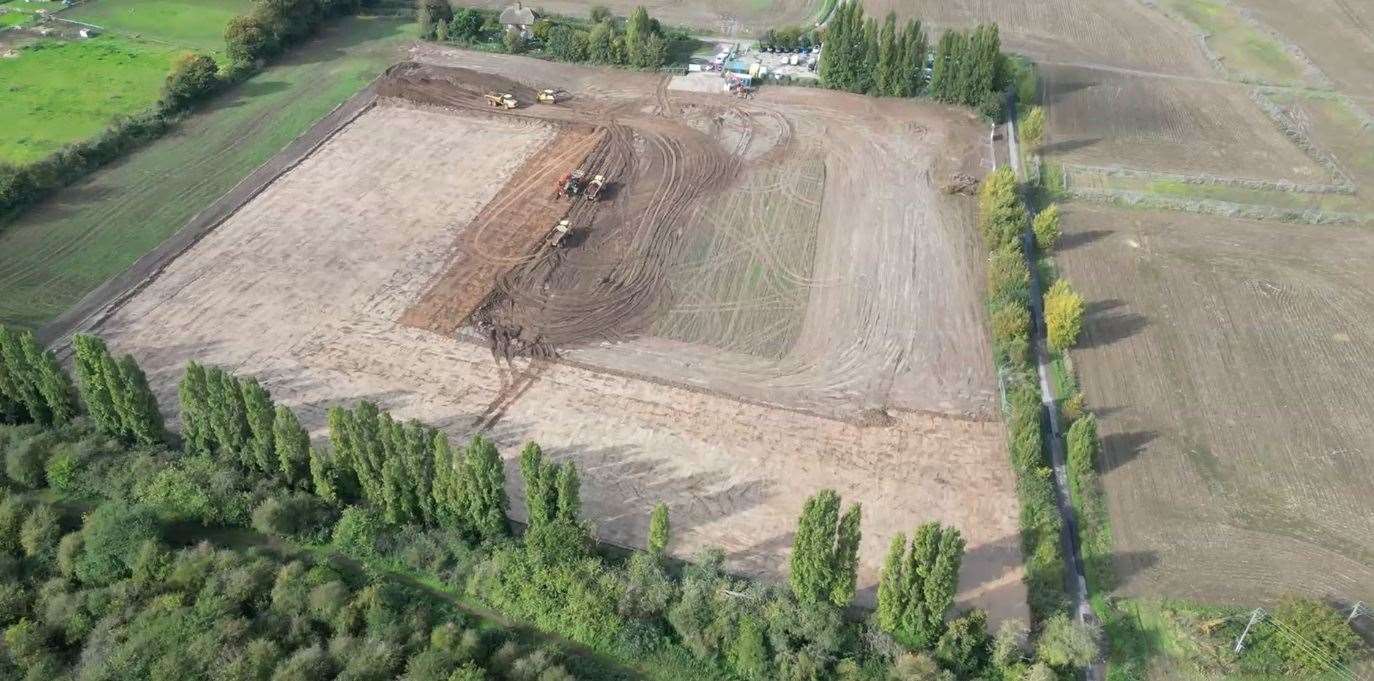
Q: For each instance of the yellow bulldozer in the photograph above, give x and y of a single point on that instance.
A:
(548, 96)
(502, 100)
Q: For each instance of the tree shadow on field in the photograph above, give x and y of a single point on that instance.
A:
(1081, 237)
(1104, 323)
(1069, 145)
(1057, 90)
(1120, 448)
(1120, 568)
(622, 483)
(71, 201)
(238, 96)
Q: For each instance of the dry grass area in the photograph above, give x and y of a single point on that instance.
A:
(306, 285)
(1337, 35)
(1113, 119)
(1230, 363)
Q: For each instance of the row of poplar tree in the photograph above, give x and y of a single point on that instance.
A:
(411, 474)
(918, 582)
(862, 55)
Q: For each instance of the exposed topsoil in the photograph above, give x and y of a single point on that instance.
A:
(789, 251)
(775, 249)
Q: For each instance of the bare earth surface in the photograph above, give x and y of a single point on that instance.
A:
(305, 288)
(1230, 362)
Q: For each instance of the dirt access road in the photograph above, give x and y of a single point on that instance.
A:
(306, 285)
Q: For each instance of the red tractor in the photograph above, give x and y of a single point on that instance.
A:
(571, 184)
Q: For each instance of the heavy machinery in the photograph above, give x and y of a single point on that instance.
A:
(560, 231)
(548, 96)
(594, 187)
(571, 184)
(503, 100)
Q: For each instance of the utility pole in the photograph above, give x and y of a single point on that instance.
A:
(1254, 617)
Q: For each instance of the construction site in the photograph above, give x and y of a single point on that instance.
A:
(717, 303)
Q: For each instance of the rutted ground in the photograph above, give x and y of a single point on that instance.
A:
(305, 285)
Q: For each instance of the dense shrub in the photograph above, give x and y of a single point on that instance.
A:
(193, 77)
(110, 538)
(26, 459)
(297, 514)
(1310, 637)
(196, 489)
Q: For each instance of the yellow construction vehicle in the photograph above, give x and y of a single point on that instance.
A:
(548, 96)
(503, 100)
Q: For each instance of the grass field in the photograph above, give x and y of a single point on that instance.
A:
(62, 249)
(1245, 50)
(60, 92)
(192, 24)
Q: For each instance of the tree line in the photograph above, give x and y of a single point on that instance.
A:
(637, 41)
(379, 476)
(860, 54)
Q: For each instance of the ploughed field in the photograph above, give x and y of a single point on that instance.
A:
(1230, 360)
(772, 297)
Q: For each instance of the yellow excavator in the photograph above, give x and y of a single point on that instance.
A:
(502, 100)
(548, 96)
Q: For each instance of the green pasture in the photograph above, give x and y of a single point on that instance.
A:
(58, 92)
(190, 24)
(58, 251)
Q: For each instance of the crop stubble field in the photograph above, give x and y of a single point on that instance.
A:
(1231, 360)
(307, 285)
(1226, 359)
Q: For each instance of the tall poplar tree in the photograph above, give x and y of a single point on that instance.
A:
(868, 65)
(95, 388)
(50, 380)
(913, 59)
(12, 407)
(569, 493)
(139, 416)
(918, 584)
(450, 503)
(889, 81)
(540, 478)
(810, 565)
(260, 413)
(197, 432)
(228, 414)
(845, 573)
(323, 475)
(485, 486)
(291, 447)
(892, 586)
(342, 456)
(825, 552)
(942, 71)
(20, 376)
(659, 530)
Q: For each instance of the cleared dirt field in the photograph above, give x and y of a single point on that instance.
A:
(1230, 362)
(1113, 119)
(305, 288)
